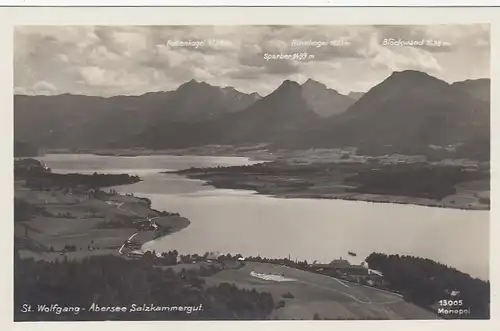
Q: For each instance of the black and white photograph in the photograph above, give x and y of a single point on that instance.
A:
(251, 172)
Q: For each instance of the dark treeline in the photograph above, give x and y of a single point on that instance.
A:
(29, 167)
(38, 176)
(188, 258)
(146, 200)
(433, 182)
(425, 282)
(303, 265)
(279, 168)
(95, 181)
(258, 167)
(114, 281)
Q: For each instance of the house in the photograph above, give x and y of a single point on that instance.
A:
(132, 244)
(341, 266)
(375, 272)
(470, 167)
(135, 254)
(213, 255)
(340, 263)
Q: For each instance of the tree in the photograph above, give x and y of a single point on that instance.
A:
(280, 304)
(148, 255)
(423, 282)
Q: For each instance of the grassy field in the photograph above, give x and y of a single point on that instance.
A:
(90, 225)
(318, 294)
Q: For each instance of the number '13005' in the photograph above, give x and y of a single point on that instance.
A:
(450, 302)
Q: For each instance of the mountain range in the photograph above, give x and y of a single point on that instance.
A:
(409, 108)
(324, 101)
(409, 111)
(479, 88)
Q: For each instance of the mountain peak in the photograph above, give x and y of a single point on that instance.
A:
(410, 72)
(311, 82)
(193, 83)
(414, 77)
(413, 74)
(289, 84)
(324, 101)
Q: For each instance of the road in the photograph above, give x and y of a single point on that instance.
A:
(119, 207)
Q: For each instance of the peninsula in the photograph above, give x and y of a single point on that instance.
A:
(418, 183)
(69, 215)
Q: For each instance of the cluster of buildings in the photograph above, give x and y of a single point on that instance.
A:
(399, 158)
(356, 272)
(341, 266)
(466, 164)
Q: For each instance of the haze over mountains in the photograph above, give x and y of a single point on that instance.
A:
(409, 111)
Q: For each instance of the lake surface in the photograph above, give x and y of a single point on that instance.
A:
(237, 221)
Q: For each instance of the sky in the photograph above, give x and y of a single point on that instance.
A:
(132, 60)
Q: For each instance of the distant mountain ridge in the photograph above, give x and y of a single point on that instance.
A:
(279, 113)
(408, 111)
(200, 100)
(74, 121)
(479, 88)
(355, 95)
(324, 101)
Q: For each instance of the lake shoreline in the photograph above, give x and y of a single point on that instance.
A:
(371, 198)
(274, 189)
(134, 202)
(99, 224)
(252, 153)
(153, 182)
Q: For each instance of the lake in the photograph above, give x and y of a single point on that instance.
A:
(237, 221)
